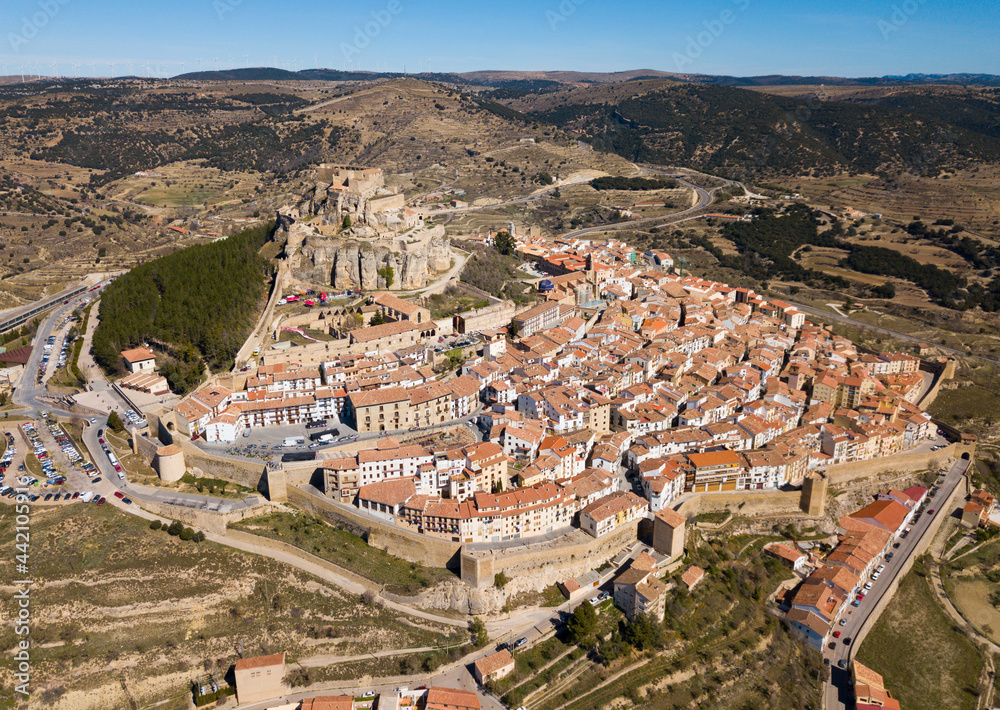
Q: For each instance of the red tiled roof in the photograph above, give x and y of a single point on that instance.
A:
(451, 699)
(245, 664)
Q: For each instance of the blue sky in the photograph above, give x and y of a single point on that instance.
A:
(737, 37)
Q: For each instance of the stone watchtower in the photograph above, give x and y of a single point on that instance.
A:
(169, 463)
(813, 501)
(668, 533)
(477, 568)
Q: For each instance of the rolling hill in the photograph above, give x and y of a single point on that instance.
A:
(744, 133)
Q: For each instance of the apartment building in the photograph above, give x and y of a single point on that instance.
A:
(609, 513)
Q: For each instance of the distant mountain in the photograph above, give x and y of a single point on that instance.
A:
(908, 80)
(740, 132)
(505, 78)
(248, 74)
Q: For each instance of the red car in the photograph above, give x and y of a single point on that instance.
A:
(860, 597)
(836, 634)
(930, 512)
(119, 494)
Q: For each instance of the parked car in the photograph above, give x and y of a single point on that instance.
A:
(119, 494)
(520, 642)
(930, 512)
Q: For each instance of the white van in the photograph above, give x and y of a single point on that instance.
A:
(293, 441)
(87, 497)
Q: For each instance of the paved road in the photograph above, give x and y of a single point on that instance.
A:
(29, 393)
(837, 691)
(112, 483)
(451, 277)
(705, 198)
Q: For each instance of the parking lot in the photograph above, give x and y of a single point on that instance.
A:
(67, 474)
(268, 443)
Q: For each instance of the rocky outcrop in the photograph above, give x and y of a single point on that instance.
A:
(347, 261)
(458, 596)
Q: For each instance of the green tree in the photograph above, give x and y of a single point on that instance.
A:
(389, 274)
(455, 358)
(504, 243)
(115, 422)
(176, 528)
(347, 221)
(500, 580)
(582, 625)
(480, 637)
(512, 329)
(377, 318)
(644, 633)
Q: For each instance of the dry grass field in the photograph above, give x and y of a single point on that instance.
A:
(116, 605)
(970, 197)
(945, 674)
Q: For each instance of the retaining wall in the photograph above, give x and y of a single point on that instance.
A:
(244, 473)
(410, 546)
(845, 472)
(545, 563)
(744, 503)
(206, 520)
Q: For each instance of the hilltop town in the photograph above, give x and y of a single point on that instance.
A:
(348, 390)
(624, 394)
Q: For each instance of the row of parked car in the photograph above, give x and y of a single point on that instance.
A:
(8, 454)
(72, 453)
(134, 419)
(42, 454)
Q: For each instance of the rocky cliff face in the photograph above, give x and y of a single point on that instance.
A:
(349, 262)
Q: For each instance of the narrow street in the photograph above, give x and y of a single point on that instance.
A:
(838, 691)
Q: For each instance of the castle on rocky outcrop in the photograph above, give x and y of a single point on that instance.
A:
(360, 195)
(348, 230)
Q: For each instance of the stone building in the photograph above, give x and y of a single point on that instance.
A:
(260, 678)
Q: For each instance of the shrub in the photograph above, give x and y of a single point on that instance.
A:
(175, 528)
(187, 534)
(155, 525)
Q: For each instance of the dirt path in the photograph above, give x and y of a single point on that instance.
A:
(986, 681)
(937, 586)
(327, 659)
